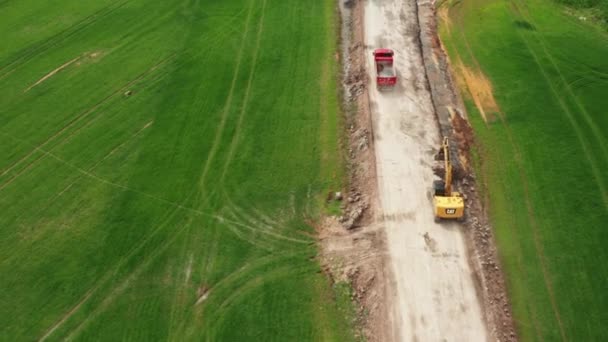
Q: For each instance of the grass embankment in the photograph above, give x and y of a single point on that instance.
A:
(540, 78)
(158, 162)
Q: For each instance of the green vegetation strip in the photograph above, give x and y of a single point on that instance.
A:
(159, 162)
(543, 155)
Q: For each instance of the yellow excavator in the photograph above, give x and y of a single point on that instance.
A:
(447, 204)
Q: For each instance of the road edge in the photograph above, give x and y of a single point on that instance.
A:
(453, 123)
(352, 245)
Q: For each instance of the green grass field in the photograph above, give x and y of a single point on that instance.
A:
(159, 162)
(543, 156)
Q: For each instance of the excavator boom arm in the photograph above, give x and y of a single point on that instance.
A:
(448, 167)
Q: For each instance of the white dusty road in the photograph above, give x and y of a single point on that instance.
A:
(433, 294)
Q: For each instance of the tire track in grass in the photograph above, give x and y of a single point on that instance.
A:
(85, 113)
(241, 214)
(235, 139)
(233, 226)
(217, 217)
(236, 221)
(101, 160)
(241, 218)
(52, 73)
(237, 213)
(107, 276)
(59, 37)
(219, 133)
(68, 315)
(180, 291)
(522, 176)
(218, 38)
(79, 176)
(539, 249)
(243, 290)
(537, 243)
(542, 42)
(251, 267)
(233, 282)
(119, 289)
(595, 169)
(129, 255)
(176, 207)
(228, 103)
(79, 117)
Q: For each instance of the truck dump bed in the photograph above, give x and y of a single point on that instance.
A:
(386, 76)
(385, 69)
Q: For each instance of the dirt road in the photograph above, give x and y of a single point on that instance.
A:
(433, 294)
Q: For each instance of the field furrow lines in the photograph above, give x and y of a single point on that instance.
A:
(595, 169)
(75, 179)
(107, 277)
(521, 174)
(123, 285)
(592, 125)
(235, 139)
(61, 36)
(542, 159)
(68, 315)
(228, 104)
(81, 116)
(50, 74)
(240, 292)
(132, 211)
(533, 224)
(241, 218)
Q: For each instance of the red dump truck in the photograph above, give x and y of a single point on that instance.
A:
(386, 77)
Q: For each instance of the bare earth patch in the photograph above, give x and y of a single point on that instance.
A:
(52, 73)
(87, 56)
(480, 90)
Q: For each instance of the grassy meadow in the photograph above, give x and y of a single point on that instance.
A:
(160, 162)
(535, 80)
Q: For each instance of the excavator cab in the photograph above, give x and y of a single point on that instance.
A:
(449, 207)
(447, 204)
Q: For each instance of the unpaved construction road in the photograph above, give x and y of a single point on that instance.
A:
(433, 294)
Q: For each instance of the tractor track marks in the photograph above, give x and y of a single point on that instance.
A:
(582, 110)
(271, 234)
(219, 218)
(227, 105)
(69, 314)
(593, 163)
(52, 73)
(79, 117)
(60, 37)
(227, 292)
(107, 277)
(595, 168)
(525, 185)
(240, 218)
(180, 294)
(235, 139)
(77, 177)
(124, 284)
(530, 209)
(176, 207)
(517, 158)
